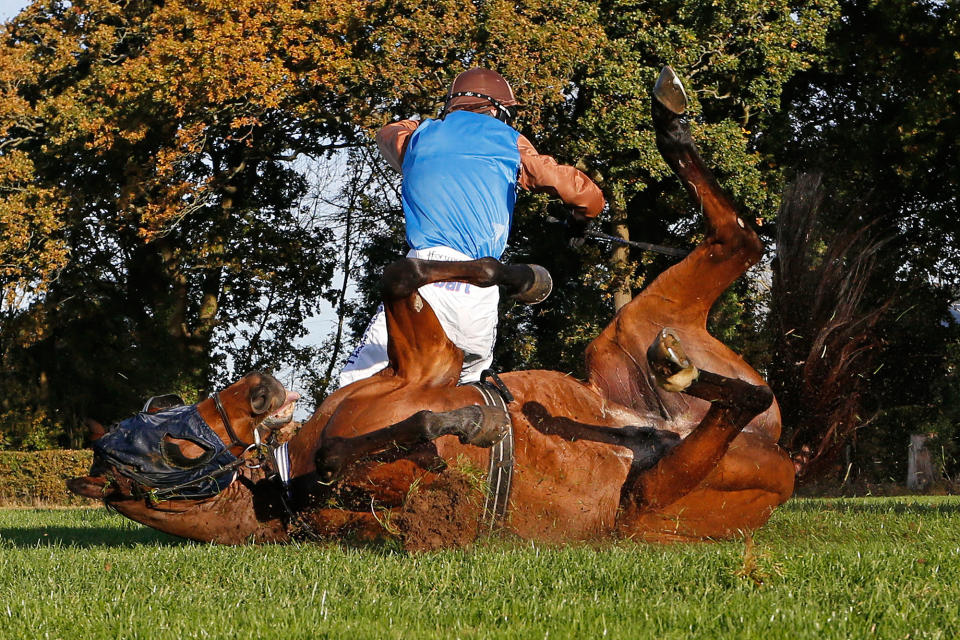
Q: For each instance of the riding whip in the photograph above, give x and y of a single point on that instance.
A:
(646, 246)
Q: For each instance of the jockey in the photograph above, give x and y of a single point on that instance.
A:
(460, 174)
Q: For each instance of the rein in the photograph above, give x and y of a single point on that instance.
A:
(159, 495)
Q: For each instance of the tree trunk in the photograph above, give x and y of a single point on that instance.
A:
(621, 256)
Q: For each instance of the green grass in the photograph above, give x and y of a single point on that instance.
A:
(845, 568)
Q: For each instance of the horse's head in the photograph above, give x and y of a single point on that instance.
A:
(236, 412)
(187, 451)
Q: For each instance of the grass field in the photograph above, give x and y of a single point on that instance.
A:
(847, 568)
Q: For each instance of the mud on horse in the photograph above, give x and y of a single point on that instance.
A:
(649, 446)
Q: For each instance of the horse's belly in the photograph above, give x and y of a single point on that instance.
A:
(579, 501)
(563, 490)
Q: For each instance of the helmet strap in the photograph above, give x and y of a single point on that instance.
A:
(504, 113)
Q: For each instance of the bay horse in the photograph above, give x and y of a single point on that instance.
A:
(671, 437)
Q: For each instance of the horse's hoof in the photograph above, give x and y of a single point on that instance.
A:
(482, 426)
(670, 365)
(539, 289)
(328, 462)
(669, 91)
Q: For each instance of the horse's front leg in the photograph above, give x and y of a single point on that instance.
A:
(733, 403)
(480, 426)
(526, 283)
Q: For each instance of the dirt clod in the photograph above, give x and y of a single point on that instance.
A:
(444, 514)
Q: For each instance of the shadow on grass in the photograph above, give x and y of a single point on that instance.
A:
(919, 505)
(84, 537)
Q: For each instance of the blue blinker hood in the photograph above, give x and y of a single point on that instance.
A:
(136, 448)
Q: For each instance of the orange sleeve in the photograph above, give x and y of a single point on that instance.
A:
(543, 174)
(392, 141)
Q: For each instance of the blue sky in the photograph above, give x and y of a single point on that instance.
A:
(9, 8)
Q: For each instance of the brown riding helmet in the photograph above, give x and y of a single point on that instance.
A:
(478, 89)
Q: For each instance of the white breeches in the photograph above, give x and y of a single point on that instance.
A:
(468, 315)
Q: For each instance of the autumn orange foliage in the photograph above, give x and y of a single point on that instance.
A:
(150, 148)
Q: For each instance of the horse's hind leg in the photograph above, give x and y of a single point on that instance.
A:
(733, 403)
(674, 372)
(728, 238)
(682, 295)
(476, 425)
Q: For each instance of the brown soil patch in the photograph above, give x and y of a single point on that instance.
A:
(444, 514)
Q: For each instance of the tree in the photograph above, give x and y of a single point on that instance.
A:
(154, 161)
(878, 118)
(148, 149)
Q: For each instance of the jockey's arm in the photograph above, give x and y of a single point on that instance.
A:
(541, 173)
(392, 141)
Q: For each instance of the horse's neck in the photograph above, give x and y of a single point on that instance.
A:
(229, 518)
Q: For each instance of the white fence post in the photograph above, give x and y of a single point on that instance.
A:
(919, 463)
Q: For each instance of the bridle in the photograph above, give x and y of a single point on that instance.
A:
(301, 526)
(234, 440)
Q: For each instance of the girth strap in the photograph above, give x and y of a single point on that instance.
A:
(501, 456)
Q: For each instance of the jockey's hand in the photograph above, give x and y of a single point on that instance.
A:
(577, 227)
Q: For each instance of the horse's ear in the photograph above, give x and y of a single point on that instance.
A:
(259, 399)
(96, 429)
